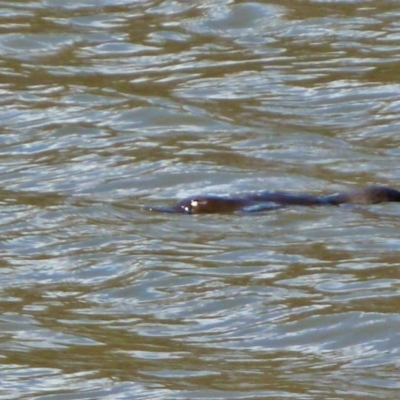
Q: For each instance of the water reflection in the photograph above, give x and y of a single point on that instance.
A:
(110, 106)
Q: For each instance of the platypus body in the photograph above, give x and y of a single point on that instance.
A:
(274, 200)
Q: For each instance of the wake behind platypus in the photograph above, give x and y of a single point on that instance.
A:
(265, 201)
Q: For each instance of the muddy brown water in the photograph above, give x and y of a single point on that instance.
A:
(111, 106)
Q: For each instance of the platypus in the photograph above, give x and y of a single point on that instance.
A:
(274, 200)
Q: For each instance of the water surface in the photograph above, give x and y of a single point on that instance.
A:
(110, 106)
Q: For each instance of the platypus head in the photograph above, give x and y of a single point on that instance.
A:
(210, 205)
(203, 205)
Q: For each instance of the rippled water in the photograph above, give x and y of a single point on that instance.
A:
(108, 106)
